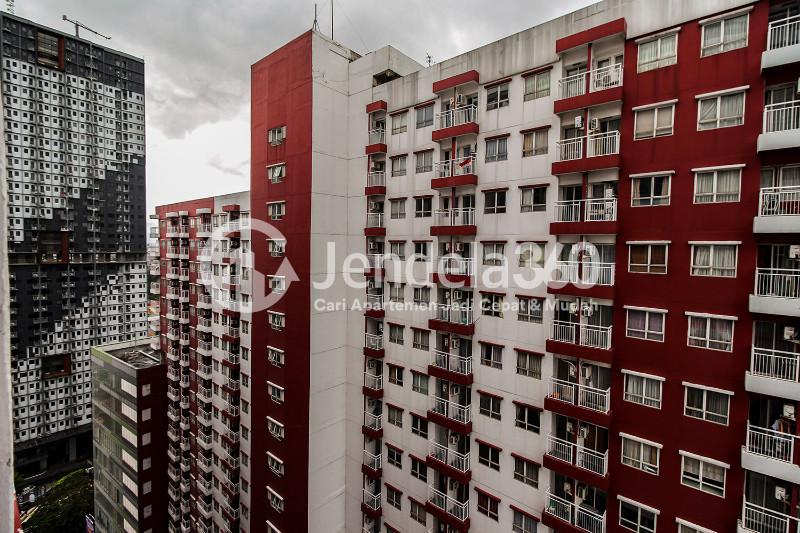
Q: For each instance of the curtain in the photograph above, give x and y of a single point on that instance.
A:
(660, 187)
(664, 120)
(712, 37)
(716, 406)
(697, 331)
(720, 334)
(655, 326)
(542, 81)
(725, 260)
(704, 187)
(652, 391)
(691, 470)
(701, 260)
(648, 55)
(708, 113)
(735, 32)
(637, 322)
(540, 142)
(731, 109)
(645, 123)
(527, 143)
(638, 258)
(728, 185)
(642, 192)
(634, 387)
(491, 151)
(631, 452)
(790, 176)
(668, 52)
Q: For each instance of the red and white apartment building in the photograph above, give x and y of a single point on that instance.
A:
(639, 159)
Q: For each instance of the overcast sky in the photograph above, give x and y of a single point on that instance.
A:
(198, 54)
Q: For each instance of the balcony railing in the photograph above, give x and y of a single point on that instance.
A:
(463, 216)
(599, 79)
(784, 116)
(458, 115)
(582, 395)
(453, 313)
(372, 461)
(590, 335)
(450, 505)
(783, 33)
(779, 201)
(375, 301)
(456, 167)
(763, 520)
(373, 342)
(377, 136)
(375, 260)
(456, 266)
(376, 179)
(588, 272)
(593, 210)
(570, 149)
(580, 456)
(374, 220)
(373, 501)
(770, 443)
(452, 410)
(443, 454)
(373, 381)
(778, 282)
(581, 517)
(204, 228)
(600, 144)
(775, 364)
(452, 362)
(372, 421)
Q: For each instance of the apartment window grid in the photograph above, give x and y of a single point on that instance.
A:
(424, 162)
(652, 190)
(644, 390)
(635, 517)
(419, 382)
(492, 355)
(496, 149)
(713, 333)
(645, 324)
(533, 199)
(397, 249)
(497, 96)
(647, 258)
(656, 121)
(526, 471)
(422, 295)
(394, 497)
(659, 52)
(422, 251)
(423, 207)
(493, 253)
(527, 417)
(419, 426)
(490, 406)
(717, 185)
(523, 523)
(395, 334)
(396, 375)
(394, 456)
(394, 415)
(400, 123)
(421, 339)
(418, 512)
(703, 474)
(724, 35)
(721, 111)
(529, 364)
(396, 292)
(640, 454)
(425, 117)
(489, 456)
(529, 309)
(537, 85)
(488, 505)
(535, 142)
(397, 209)
(717, 260)
(419, 469)
(492, 305)
(706, 404)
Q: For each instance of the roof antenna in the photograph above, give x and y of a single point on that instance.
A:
(79, 25)
(429, 59)
(331, 20)
(315, 26)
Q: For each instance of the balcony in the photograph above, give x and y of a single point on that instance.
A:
(371, 461)
(448, 504)
(373, 423)
(374, 307)
(783, 43)
(204, 301)
(456, 122)
(577, 455)
(373, 385)
(592, 216)
(582, 340)
(588, 278)
(781, 126)
(588, 89)
(376, 183)
(777, 292)
(778, 210)
(454, 269)
(584, 396)
(583, 518)
(204, 230)
(771, 453)
(757, 519)
(460, 221)
(373, 345)
(596, 151)
(455, 173)
(451, 366)
(374, 225)
(459, 413)
(376, 143)
(460, 462)
(371, 501)
(454, 318)
(774, 373)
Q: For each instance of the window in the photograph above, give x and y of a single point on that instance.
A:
(394, 497)
(645, 324)
(650, 190)
(647, 258)
(489, 456)
(527, 417)
(490, 406)
(419, 469)
(420, 340)
(640, 454)
(423, 206)
(496, 149)
(717, 260)
(399, 165)
(419, 426)
(703, 474)
(494, 202)
(275, 428)
(724, 35)
(275, 136)
(276, 210)
(707, 404)
(395, 334)
(396, 375)
(531, 254)
(424, 161)
(397, 249)
(396, 292)
(394, 416)
(714, 333)
(275, 464)
(537, 85)
(418, 512)
(529, 364)
(488, 505)
(535, 142)
(492, 305)
(422, 295)
(533, 199)
(688, 527)
(493, 253)
(397, 208)
(716, 186)
(529, 309)
(277, 321)
(636, 517)
(394, 456)
(399, 122)
(656, 53)
(276, 392)
(642, 389)
(422, 251)
(419, 382)
(497, 96)
(492, 355)
(277, 248)
(425, 116)
(654, 121)
(720, 111)
(276, 173)
(275, 500)
(526, 471)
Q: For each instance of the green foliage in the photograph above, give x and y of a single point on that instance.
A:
(65, 506)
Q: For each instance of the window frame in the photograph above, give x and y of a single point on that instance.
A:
(529, 313)
(488, 505)
(421, 163)
(656, 109)
(490, 405)
(658, 61)
(651, 177)
(491, 457)
(396, 163)
(423, 209)
(718, 118)
(494, 155)
(499, 203)
(646, 401)
(639, 463)
(494, 96)
(640, 508)
(707, 340)
(704, 409)
(426, 122)
(400, 117)
(532, 206)
(703, 462)
(530, 371)
(522, 418)
(397, 208)
(646, 331)
(649, 265)
(722, 21)
(532, 93)
(711, 266)
(523, 474)
(492, 304)
(714, 194)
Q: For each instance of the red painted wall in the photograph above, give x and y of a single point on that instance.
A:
(281, 87)
(680, 222)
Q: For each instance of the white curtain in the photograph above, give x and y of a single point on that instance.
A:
(712, 37)
(790, 176)
(637, 321)
(708, 113)
(731, 109)
(704, 187)
(720, 334)
(701, 260)
(645, 123)
(735, 32)
(668, 52)
(664, 120)
(697, 331)
(648, 54)
(725, 260)
(728, 185)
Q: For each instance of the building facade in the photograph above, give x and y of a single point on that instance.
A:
(74, 134)
(577, 306)
(130, 458)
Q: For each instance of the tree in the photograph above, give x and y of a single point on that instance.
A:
(64, 507)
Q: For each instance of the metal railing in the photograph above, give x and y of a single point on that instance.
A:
(204, 228)
(599, 79)
(462, 216)
(458, 115)
(372, 421)
(763, 520)
(373, 381)
(377, 136)
(590, 335)
(778, 282)
(779, 201)
(570, 149)
(372, 461)
(770, 443)
(783, 33)
(453, 313)
(450, 505)
(452, 410)
(373, 342)
(582, 395)
(456, 167)
(591, 209)
(775, 364)
(604, 143)
(581, 517)
(580, 456)
(374, 220)
(783, 116)
(443, 454)
(456, 266)
(375, 301)
(376, 179)
(588, 272)
(451, 361)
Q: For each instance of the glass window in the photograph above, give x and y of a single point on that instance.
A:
(656, 53)
(418, 512)
(492, 355)
(396, 375)
(423, 206)
(526, 471)
(496, 149)
(419, 469)
(421, 251)
(535, 142)
(721, 111)
(716, 186)
(488, 505)
(397, 208)
(533, 199)
(647, 258)
(489, 406)
(493, 253)
(703, 474)
(395, 416)
(714, 260)
(424, 161)
(399, 165)
(523, 523)
(537, 85)
(492, 305)
(425, 116)
(706, 404)
(494, 202)
(640, 455)
(529, 309)
(650, 190)
(399, 122)
(419, 426)
(489, 456)
(497, 96)
(529, 364)
(642, 390)
(395, 334)
(394, 456)
(531, 254)
(394, 497)
(397, 249)
(636, 518)
(643, 324)
(527, 418)
(654, 122)
(724, 35)
(712, 333)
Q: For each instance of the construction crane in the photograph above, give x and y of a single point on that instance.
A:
(79, 25)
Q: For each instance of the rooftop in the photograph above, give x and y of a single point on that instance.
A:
(136, 354)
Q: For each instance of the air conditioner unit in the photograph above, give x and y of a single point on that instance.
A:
(794, 251)
(788, 411)
(459, 247)
(455, 343)
(609, 193)
(455, 390)
(451, 102)
(573, 308)
(579, 122)
(587, 310)
(580, 493)
(780, 493)
(586, 372)
(372, 246)
(790, 333)
(447, 247)
(584, 432)
(371, 364)
(594, 124)
(373, 206)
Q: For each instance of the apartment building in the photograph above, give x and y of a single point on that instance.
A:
(204, 325)
(130, 459)
(637, 369)
(74, 134)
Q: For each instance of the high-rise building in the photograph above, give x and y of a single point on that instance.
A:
(129, 384)
(75, 168)
(632, 166)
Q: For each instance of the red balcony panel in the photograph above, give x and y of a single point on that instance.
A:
(592, 34)
(572, 471)
(374, 232)
(375, 434)
(230, 312)
(230, 338)
(459, 329)
(586, 164)
(377, 148)
(462, 379)
(371, 352)
(375, 190)
(377, 105)
(232, 234)
(575, 411)
(469, 128)
(454, 81)
(584, 228)
(590, 99)
(372, 393)
(452, 521)
(449, 423)
(582, 289)
(454, 230)
(370, 473)
(449, 471)
(375, 514)
(372, 272)
(374, 313)
(230, 364)
(581, 352)
(559, 525)
(231, 208)
(454, 181)
(463, 279)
